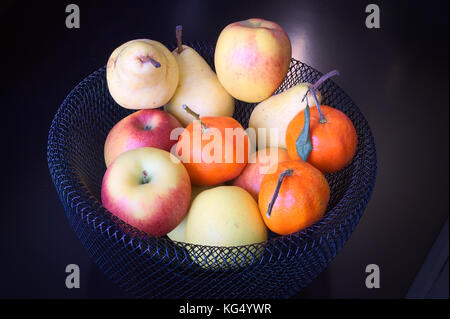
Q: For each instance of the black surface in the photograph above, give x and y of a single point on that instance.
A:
(435, 267)
(397, 75)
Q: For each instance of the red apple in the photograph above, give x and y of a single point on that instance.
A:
(252, 59)
(145, 128)
(148, 188)
(259, 164)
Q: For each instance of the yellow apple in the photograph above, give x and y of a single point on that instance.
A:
(225, 216)
(252, 58)
(179, 233)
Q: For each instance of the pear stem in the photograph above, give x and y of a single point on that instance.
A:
(179, 34)
(195, 115)
(147, 58)
(285, 173)
(155, 63)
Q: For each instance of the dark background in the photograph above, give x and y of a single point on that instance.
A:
(397, 75)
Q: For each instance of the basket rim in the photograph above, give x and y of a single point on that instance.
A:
(80, 200)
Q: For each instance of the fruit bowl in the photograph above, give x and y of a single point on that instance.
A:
(156, 267)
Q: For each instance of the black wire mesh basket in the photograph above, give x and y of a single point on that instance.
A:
(152, 267)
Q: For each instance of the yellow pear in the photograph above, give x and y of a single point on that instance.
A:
(198, 87)
(274, 114)
(142, 74)
(179, 233)
(225, 216)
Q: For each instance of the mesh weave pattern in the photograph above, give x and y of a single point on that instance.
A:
(159, 268)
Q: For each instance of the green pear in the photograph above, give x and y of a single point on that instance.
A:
(198, 87)
(274, 114)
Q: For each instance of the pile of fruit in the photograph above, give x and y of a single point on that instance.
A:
(190, 170)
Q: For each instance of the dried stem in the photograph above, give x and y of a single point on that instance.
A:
(287, 172)
(179, 34)
(195, 115)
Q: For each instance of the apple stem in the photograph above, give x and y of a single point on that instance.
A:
(179, 34)
(195, 115)
(285, 173)
(145, 177)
